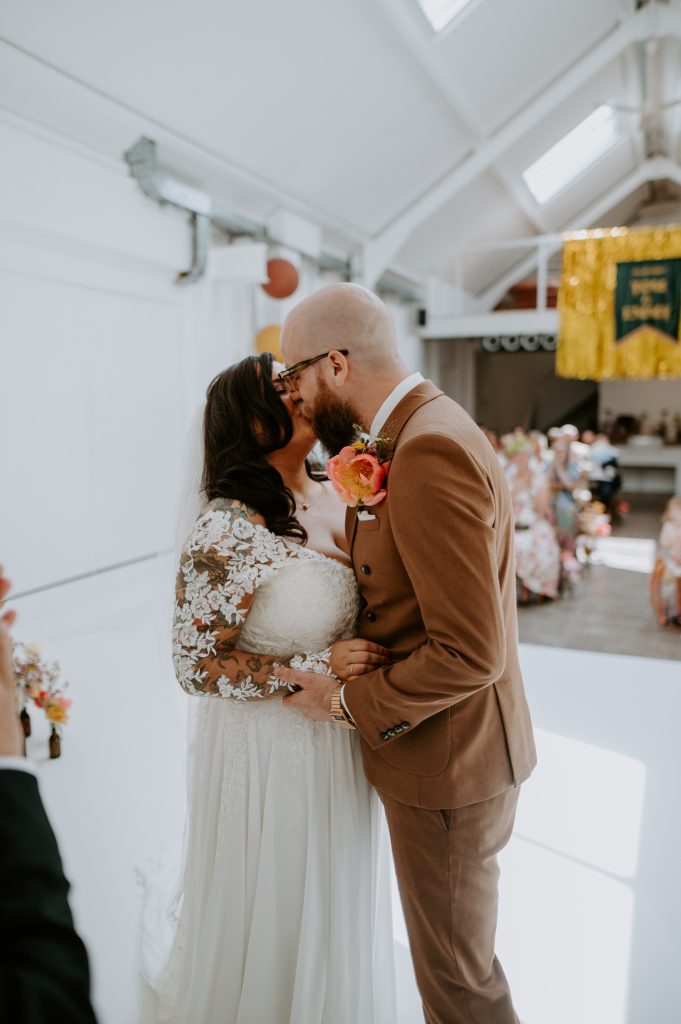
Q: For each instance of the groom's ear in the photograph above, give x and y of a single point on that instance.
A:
(339, 367)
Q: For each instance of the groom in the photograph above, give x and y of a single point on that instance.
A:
(446, 731)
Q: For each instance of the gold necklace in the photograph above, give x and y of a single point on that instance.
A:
(305, 505)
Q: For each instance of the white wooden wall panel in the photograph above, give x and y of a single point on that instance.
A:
(97, 361)
(103, 357)
(47, 530)
(95, 410)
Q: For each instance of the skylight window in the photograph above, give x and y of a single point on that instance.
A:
(441, 12)
(575, 152)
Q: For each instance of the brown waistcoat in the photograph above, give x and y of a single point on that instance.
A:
(447, 724)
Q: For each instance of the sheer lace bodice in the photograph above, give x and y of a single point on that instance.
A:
(247, 598)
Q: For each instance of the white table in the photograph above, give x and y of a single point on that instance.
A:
(643, 461)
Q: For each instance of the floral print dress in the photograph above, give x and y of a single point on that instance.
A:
(537, 553)
(665, 581)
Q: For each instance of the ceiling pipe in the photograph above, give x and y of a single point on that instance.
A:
(391, 285)
(142, 159)
(200, 244)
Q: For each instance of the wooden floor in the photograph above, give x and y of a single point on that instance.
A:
(610, 610)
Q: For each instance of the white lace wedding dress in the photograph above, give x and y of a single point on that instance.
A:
(285, 912)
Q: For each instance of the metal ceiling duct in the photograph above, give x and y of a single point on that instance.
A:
(142, 159)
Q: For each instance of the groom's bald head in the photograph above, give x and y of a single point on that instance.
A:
(342, 316)
(340, 391)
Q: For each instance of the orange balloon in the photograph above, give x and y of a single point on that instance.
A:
(269, 340)
(283, 279)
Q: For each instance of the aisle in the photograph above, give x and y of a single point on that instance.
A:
(590, 898)
(610, 608)
(591, 894)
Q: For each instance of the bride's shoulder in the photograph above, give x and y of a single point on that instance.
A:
(227, 527)
(232, 511)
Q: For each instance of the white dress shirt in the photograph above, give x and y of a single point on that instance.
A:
(379, 420)
(18, 764)
(393, 400)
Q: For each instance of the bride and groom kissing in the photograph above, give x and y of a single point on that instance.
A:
(356, 661)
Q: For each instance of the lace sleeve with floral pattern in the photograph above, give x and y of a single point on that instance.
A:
(226, 558)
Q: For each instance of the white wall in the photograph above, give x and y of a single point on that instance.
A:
(104, 357)
(641, 396)
(411, 346)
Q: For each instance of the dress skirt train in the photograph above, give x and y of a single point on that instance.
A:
(284, 914)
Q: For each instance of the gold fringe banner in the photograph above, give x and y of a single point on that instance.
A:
(587, 344)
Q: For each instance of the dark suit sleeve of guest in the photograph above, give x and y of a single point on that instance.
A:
(442, 518)
(44, 974)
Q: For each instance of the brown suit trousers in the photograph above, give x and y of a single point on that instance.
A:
(446, 864)
(446, 731)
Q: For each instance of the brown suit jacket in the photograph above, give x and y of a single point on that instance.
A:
(447, 724)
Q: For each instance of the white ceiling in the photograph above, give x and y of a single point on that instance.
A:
(503, 54)
(352, 110)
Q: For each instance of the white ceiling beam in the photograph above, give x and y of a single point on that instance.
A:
(523, 198)
(634, 99)
(656, 169)
(652, 21)
(523, 321)
(409, 26)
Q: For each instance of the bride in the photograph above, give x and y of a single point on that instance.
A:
(284, 915)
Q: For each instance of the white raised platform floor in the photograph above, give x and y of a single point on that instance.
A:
(590, 908)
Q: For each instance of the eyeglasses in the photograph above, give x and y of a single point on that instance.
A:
(291, 375)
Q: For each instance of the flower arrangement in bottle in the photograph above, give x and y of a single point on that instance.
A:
(37, 683)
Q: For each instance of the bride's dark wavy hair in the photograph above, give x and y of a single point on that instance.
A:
(245, 420)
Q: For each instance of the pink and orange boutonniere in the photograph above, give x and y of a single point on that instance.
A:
(359, 472)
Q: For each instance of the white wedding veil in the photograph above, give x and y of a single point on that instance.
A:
(190, 497)
(162, 879)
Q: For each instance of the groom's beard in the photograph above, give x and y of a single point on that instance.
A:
(333, 421)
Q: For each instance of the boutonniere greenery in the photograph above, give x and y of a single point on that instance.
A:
(359, 472)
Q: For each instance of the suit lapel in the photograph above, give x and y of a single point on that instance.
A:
(399, 417)
(391, 430)
(350, 526)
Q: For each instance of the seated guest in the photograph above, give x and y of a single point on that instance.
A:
(492, 437)
(665, 581)
(540, 449)
(504, 441)
(44, 975)
(579, 449)
(536, 549)
(605, 480)
(565, 477)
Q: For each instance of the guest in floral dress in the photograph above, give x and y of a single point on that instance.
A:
(536, 549)
(665, 581)
(565, 477)
(540, 448)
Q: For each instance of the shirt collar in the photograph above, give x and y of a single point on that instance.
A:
(393, 400)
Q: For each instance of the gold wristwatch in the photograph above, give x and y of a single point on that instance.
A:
(337, 712)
